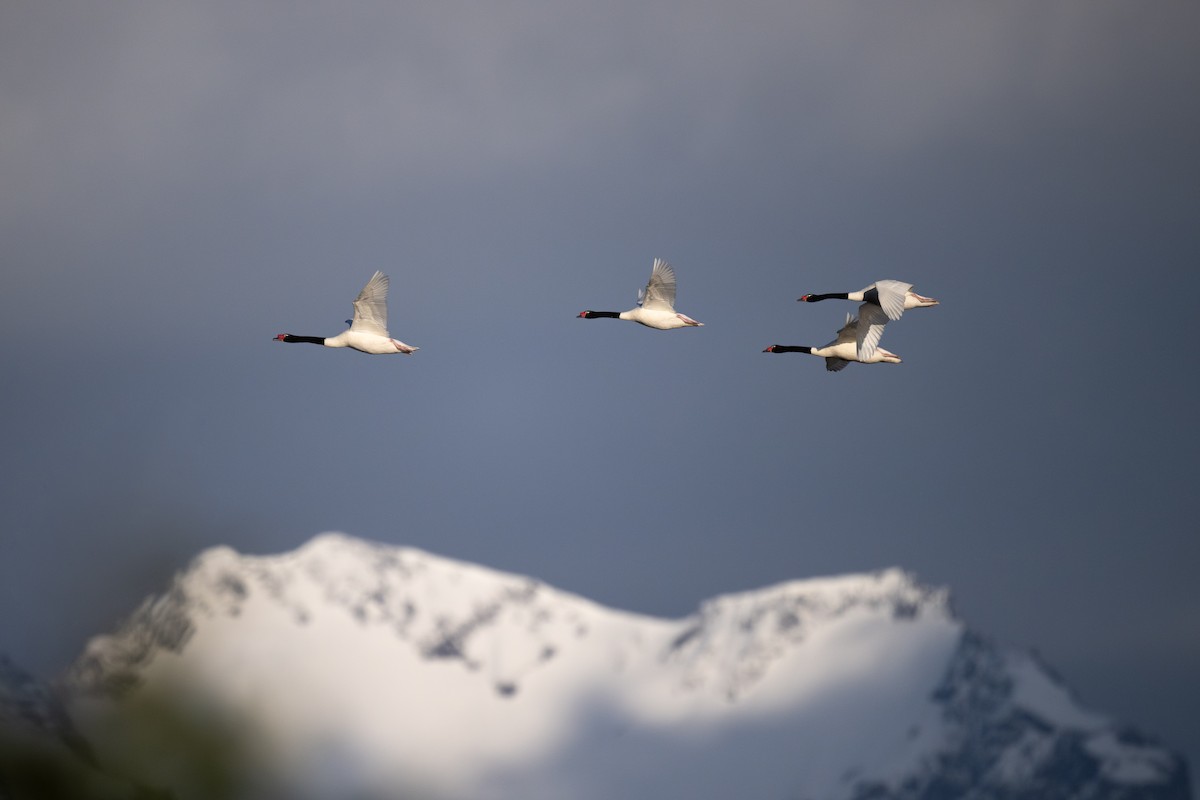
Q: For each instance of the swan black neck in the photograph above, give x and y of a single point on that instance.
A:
(788, 348)
(816, 298)
(308, 339)
(599, 314)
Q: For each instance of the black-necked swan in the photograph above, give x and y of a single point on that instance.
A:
(368, 330)
(656, 303)
(842, 350)
(884, 300)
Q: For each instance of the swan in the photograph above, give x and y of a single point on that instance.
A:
(656, 303)
(842, 350)
(368, 330)
(885, 301)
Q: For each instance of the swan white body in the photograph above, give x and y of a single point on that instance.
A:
(885, 301)
(656, 303)
(842, 350)
(368, 331)
(372, 343)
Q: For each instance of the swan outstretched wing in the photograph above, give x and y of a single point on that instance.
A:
(370, 307)
(868, 332)
(848, 332)
(660, 291)
(891, 297)
(835, 364)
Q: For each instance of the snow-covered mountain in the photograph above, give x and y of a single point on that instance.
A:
(353, 669)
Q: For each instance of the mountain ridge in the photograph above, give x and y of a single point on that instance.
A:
(457, 680)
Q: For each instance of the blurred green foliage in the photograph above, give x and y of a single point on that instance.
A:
(147, 746)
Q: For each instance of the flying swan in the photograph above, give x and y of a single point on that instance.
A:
(656, 303)
(368, 330)
(842, 350)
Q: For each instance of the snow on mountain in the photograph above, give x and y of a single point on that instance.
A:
(364, 670)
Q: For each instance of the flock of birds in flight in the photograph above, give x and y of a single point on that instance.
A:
(857, 340)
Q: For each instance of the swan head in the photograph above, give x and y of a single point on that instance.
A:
(805, 299)
(282, 337)
(771, 349)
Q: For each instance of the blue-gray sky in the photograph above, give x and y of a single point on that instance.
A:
(179, 182)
